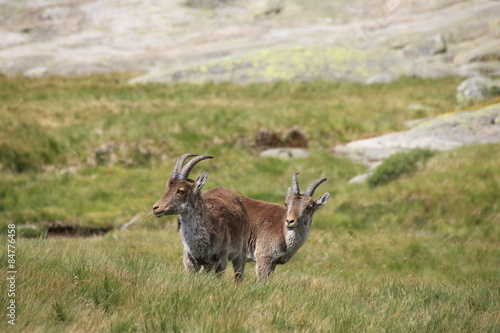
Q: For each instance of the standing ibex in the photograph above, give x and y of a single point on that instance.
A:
(214, 225)
(277, 233)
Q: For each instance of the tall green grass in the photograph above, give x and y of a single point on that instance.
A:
(398, 165)
(64, 120)
(133, 281)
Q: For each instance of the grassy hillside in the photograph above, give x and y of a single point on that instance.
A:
(94, 150)
(420, 253)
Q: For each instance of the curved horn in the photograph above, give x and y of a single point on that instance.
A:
(295, 183)
(190, 165)
(310, 190)
(178, 165)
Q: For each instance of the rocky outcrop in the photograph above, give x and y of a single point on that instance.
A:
(441, 133)
(371, 41)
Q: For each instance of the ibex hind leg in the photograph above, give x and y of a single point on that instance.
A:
(221, 265)
(208, 267)
(239, 266)
(190, 264)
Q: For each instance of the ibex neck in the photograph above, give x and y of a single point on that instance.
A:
(192, 218)
(194, 232)
(294, 240)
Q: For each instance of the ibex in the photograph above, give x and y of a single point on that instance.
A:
(278, 232)
(214, 225)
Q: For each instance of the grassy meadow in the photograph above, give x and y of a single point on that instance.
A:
(419, 252)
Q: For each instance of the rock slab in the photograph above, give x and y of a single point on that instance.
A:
(285, 153)
(374, 41)
(445, 132)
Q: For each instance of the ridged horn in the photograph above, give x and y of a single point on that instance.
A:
(190, 165)
(295, 183)
(311, 188)
(178, 165)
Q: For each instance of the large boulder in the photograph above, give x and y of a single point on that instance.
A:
(477, 89)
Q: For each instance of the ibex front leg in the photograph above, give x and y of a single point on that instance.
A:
(189, 263)
(265, 267)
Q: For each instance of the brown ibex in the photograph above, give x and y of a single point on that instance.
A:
(214, 225)
(278, 232)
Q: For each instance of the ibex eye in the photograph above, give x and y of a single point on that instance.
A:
(309, 207)
(181, 191)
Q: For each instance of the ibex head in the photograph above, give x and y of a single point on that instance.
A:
(301, 207)
(181, 191)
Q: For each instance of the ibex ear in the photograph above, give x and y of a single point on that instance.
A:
(200, 182)
(322, 200)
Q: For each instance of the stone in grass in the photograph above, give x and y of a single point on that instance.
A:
(359, 179)
(380, 78)
(36, 72)
(285, 153)
(477, 89)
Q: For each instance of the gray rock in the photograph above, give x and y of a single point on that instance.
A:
(9, 39)
(36, 72)
(414, 122)
(285, 153)
(477, 89)
(430, 46)
(420, 107)
(360, 179)
(208, 4)
(445, 132)
(380, 78)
